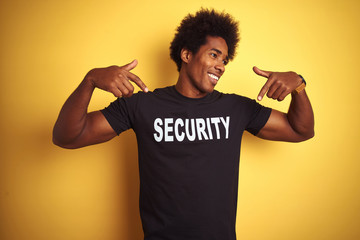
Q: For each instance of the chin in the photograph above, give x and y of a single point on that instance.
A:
(208, 90)
(211, 88)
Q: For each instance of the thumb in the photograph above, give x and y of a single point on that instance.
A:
(262, 73)
(131, 65)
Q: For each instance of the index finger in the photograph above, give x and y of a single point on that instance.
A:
(132, 77)
(264, 89)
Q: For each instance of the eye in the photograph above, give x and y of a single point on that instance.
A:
(214, 55)
(225, 62)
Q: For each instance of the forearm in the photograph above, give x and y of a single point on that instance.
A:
(75, 127)
(300, 115)
(72, 117)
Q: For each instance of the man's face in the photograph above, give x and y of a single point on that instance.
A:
(205, 68)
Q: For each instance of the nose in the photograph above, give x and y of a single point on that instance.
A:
(220, 66)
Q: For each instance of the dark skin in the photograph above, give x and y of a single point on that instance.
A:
(76, 128)
(194, 82)
(298, 124)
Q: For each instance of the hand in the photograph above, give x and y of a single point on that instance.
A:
(278, 84)
(116, 79)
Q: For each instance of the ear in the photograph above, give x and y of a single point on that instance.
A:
(185, 55)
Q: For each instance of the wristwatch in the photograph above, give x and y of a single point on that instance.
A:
(302, 85)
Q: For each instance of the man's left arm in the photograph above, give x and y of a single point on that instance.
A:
(298, 123)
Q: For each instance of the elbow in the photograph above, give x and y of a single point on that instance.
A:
(60, 139)
(306, 136)
(56, 139)
(63, 144)
(312, 134)
(58, 143)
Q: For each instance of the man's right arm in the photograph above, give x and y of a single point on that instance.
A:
(75, 127)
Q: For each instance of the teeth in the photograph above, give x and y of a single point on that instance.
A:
(213, 76)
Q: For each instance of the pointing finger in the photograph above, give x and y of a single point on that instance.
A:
(132, 77)
(265, 88)
(262, 92)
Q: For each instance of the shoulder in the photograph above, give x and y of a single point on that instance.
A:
(141, 100)
(239, 99)
(155, 93)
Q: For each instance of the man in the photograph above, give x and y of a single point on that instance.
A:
(188, 135)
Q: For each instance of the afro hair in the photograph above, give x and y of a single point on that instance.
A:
(194, 29)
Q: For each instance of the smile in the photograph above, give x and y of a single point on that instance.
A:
(213, 76)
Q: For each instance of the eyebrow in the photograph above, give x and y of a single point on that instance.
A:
(220, 52)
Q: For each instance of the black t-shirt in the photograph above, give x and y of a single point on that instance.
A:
(189, 153)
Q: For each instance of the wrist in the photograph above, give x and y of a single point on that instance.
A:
(89, 80)
(302, 85)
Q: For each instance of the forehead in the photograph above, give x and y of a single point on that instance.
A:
(217, 43)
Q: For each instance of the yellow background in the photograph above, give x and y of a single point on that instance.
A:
(287, 191)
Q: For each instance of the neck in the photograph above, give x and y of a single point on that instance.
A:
(185, 88)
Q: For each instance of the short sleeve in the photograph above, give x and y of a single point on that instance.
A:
(117, 114)
(259, 117)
